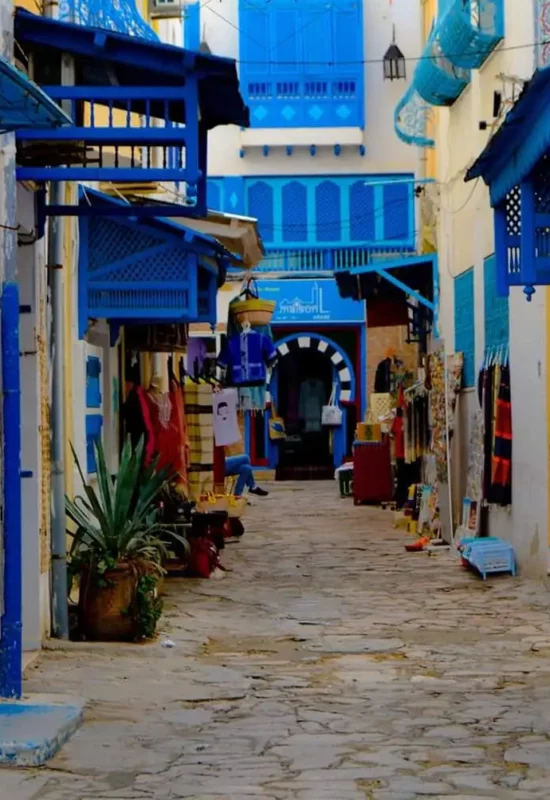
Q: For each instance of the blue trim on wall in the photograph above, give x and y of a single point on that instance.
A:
(497, 311)
(192, 26)
(302, 63)
(333, 211)
(465, 324)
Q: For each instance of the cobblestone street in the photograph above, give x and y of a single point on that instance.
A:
(328, 664)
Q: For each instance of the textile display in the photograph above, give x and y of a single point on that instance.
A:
(443, 407)
(474, 482)
(416, 427)
(312, 399)
(199, 412)
(160, 419)
(246, 357)
(226, 426)
(495, 399)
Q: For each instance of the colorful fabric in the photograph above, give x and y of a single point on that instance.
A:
(200, 426)
(501, 471)
(246, 357)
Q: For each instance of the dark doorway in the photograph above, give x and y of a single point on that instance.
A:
(304, 386)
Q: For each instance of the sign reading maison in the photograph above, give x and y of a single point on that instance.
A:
(310, 301)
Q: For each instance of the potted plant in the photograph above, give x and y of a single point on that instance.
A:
(118, 548)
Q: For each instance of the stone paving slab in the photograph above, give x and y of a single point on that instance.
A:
(328, 664)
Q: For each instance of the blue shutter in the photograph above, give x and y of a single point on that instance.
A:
(361, 211)
(192, 26)
(213, 195)
(397, 197)
(294, 200)
(261, 205)
(255, 46)
(327, 212)
(465, 323)
(93, 382)
(497, 312)
(94, 424)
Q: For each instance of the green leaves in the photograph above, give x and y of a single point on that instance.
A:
(116, 518)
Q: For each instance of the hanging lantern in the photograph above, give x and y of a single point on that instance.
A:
(395, 67)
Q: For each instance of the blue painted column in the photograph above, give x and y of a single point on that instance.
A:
(11, 624)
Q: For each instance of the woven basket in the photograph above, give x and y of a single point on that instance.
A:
(254, 310)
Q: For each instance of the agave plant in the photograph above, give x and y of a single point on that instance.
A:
(116, 522)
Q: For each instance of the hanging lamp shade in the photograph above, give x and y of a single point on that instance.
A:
(395, 67)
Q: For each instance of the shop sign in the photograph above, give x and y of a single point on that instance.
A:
(310, 301)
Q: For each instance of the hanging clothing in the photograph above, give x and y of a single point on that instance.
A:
(312, 400)
(501, 466)
(199, 412)
(226, 425)
(382, 379)
(246, 357)
(398, 432)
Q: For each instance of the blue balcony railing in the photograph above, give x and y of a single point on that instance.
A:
(121, 16)
(320, 261)
(470, 30)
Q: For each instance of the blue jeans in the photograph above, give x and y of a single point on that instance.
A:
(241, 466)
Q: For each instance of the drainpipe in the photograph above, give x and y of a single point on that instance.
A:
(60, 612)
(11, 672)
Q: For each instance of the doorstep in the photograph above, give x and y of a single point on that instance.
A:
(32, 730)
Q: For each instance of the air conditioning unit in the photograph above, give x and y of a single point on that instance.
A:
(166, 8)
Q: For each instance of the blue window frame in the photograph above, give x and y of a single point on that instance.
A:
(93, 382)
(497, 313)
(465, 324)
(302, 62)
(94, 424)
(330, 210)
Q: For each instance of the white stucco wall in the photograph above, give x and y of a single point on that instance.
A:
(465, 239)
(384, 151)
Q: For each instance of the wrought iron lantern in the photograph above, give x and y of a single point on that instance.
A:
(395, 66)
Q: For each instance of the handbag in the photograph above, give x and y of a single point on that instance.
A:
(276, 425)
(331, 414)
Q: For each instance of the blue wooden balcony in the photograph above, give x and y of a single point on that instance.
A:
(124, 134)
(470, 30)
(412, 118)
(326, 261)
(436, 79)
(141, 111)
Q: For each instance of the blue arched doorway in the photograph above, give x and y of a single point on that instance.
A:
(342, 376)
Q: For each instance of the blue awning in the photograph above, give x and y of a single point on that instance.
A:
(108, 58)
(23, 104)
(135, 271)
(522, 139)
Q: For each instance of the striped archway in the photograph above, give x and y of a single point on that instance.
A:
(345, 375)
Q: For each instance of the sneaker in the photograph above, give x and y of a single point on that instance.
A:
(259, 492)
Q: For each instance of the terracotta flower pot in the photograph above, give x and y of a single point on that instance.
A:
(104, 609)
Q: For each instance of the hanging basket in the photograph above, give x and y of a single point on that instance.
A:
(253, 310)
(249, 307)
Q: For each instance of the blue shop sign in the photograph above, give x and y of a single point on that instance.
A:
(307, 301)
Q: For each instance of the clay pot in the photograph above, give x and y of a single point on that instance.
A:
(104, 610)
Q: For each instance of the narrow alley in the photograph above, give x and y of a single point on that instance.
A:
(329, 664)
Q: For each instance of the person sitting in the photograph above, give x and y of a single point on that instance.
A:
(240, 465)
